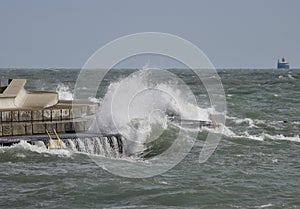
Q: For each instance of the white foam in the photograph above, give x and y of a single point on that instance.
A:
(20, 155)
(38, 148)
(136, 105)
(64, 92)
(95, 100)
(282, 137)
(265, 206)
(264, 136)
(252, 123)
(246, 120)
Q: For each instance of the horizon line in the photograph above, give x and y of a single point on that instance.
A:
(132, 68)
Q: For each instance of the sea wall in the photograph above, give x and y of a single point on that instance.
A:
(64, 117)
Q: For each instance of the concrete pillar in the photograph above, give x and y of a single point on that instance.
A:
(56, 114)
(38, 128)
(79, 126)
(6, 129)
(69, 127)
(65, 114)
(75, 112)
(60, 128)
(28, 129)
(47, 114)
(18, 129)
(15, 116)
(24, 115)
(6, 116)
(50, 127)
(37, 115)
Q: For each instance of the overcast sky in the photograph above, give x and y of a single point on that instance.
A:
(232, 33)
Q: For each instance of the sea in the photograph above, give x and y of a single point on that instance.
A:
(256, 163)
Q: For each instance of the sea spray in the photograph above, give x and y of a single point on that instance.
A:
(138, 107)
(64, 92)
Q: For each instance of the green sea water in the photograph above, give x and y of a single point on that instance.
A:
(256, 164)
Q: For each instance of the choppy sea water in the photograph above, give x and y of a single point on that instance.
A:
(256, 164)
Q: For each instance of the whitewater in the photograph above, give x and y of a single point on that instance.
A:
(255, 165)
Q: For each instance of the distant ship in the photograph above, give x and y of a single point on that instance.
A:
(283, 64)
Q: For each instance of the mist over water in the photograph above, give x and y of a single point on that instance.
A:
(138, 107)
(256, 164)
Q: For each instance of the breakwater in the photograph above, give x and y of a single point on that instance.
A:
(65, 117)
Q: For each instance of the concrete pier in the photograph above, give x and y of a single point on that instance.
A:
(26, 115)
(65, 117)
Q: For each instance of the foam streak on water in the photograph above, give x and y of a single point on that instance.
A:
(256, 164)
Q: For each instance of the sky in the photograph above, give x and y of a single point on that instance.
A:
(232, 33)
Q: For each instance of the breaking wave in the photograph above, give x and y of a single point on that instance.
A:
(139, 107)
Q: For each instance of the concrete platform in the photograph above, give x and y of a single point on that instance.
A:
(15, 97)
